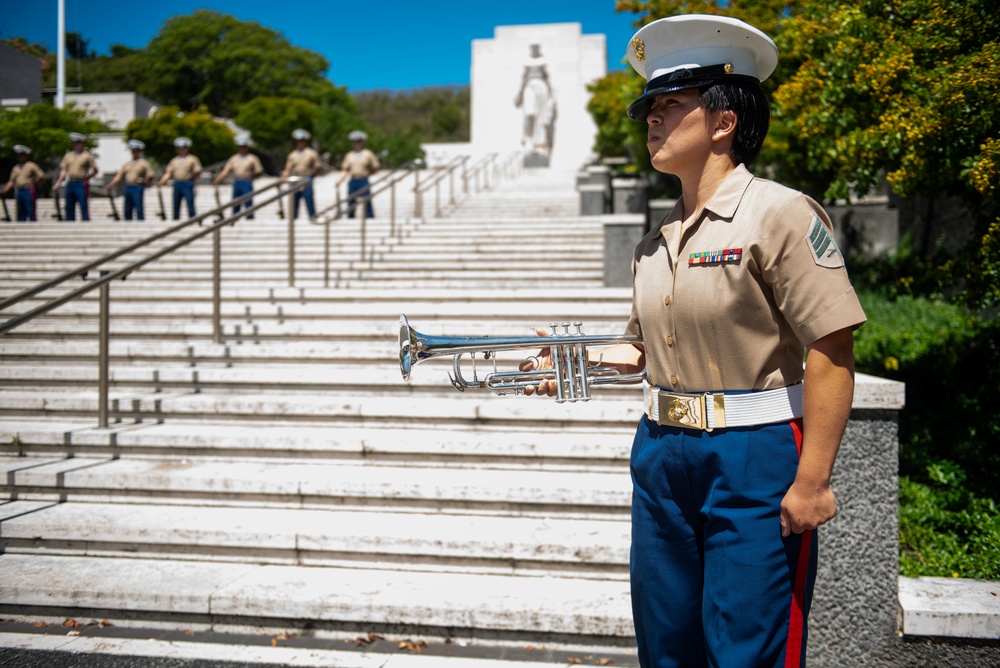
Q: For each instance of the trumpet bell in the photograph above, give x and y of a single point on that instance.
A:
(407, 341)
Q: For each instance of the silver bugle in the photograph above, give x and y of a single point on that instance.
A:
(571, 371)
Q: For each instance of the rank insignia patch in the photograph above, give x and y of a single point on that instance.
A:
(823, 246)
(716, 257)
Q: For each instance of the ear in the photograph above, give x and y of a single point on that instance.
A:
(725, 125)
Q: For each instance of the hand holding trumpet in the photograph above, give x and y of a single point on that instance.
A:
(628, 359)
(562, 369)
(540, 362)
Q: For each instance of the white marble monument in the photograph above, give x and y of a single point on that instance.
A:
(529, 91)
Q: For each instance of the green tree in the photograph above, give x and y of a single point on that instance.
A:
(124, 70)
(617, 134)
(211, 140)
(333, 123)
(436, 113)
(907, 91)
(78, 48)
(214, 59)
(270, 120)
(45, 130)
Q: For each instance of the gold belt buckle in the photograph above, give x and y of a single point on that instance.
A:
(683, 410)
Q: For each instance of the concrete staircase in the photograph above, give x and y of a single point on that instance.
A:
(285, 481)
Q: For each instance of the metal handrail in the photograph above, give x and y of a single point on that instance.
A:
(90, 266)
(481, 168)
(106, 276)
(435, 180)
(336, 210)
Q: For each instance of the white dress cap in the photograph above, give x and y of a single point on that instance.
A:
(300, 134)
(697, 50)
(76, 136)
(358, 135)
(182, 141)
(21, 148)
(136, 145)
(242, 140)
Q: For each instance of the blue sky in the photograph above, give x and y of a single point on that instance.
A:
(387, 44)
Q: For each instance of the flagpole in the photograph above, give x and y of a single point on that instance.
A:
(61, 58)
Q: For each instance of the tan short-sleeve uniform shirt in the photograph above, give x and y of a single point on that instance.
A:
(78, 166)
(244, 167)
(136, 172)
(729, 300)
(26, 175)
(360, 164)
(183, 168)
(302, 163)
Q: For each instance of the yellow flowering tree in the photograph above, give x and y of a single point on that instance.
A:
(908, 91)
(865, 90)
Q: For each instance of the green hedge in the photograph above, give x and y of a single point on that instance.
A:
(949, 430)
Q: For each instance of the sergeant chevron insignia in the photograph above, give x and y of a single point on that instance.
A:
(823, 246)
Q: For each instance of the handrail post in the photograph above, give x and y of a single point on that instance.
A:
(326, 255)
(437, 198)
(217, 286)
(102, 353)
(392, 208)
(418, 198)
(451, 185)
(362, 203)
(291, 239)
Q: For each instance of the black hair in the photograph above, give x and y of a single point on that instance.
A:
(753, 115)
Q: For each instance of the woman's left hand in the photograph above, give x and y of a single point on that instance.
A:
(806, 506)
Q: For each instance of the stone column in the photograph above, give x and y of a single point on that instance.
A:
(622, 232)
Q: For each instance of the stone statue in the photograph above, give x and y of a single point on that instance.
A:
(537, 102)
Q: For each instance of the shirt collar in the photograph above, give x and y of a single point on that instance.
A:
(724, 201)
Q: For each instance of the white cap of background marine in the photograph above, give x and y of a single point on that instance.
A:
(182, 142)
(300, 135)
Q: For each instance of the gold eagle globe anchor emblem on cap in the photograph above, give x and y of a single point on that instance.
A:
(639, 47)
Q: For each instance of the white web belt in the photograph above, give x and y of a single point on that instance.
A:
(719, 410)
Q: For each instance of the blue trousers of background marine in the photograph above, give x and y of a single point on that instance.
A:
(76, 193)
(133, 202)
(24, 199)
(353, 187)
(183, 190)
(243, 187)
(307, 195)
(713, 582)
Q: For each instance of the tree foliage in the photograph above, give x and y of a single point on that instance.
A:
(436, 114)
(45, 130)
(214, 59)
(864, 91)
(271, 120)
(211, 140)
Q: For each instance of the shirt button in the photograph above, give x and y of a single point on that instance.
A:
(670, 340)
(666, 300)
(674, 381)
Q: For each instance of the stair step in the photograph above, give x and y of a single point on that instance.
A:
(594, 549)
(317, 484)
(452, 603)
(526, 446)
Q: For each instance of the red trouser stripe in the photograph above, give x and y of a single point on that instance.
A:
(796, 621)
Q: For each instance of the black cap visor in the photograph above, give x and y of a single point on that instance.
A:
(683, 79)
